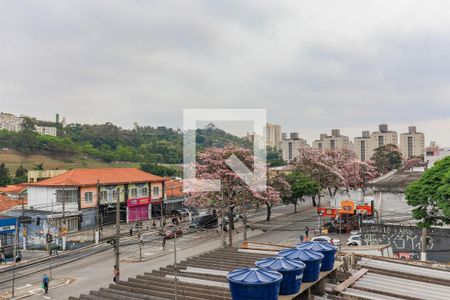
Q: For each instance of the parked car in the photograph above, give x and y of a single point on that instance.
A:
(327, 239)
(207, 221)
(170, 231)
(355, 232)
(354, 240)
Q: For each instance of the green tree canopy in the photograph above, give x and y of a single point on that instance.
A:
(301, 186)
(387, 158)
(21, 175)
(430, 195)
(5, 178)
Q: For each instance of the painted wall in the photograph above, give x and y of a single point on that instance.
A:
(392, 206)
(157, 184)
(93, 190)
(44, 198)
(109, 189)
(89, 218)
(139, 187)
(406, 239)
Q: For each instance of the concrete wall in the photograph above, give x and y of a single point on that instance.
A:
(406, 239)
(44, 198)
(93, 190)
(392, 206)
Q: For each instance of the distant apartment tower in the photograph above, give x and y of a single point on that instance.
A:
(412, 143)
(333, 141)
(273, 135)
(383, 137)
(10, 122)
(290, 146)
(46, 130)
(362, 146)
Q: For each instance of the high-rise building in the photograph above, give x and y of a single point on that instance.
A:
(412, 143)
(362, 146)
(382, 137)
(273, 135)
(333, 141)
(290, 146)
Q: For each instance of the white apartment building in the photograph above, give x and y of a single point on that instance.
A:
(290, 146)
(10, 122)
(365, 145)
(45, 130)
(333, 141)
(273, 135)
(412, 143)
(361, 146)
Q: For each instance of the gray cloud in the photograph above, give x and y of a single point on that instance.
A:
(313, 65)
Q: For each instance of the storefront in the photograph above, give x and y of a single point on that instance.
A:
(138, 209)
(7, 235)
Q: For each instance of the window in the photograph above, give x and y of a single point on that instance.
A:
(103, 196)
(156, 191)
(332, 144)
(66, 196)
(115, 194)
(88, 197)
(134, 193)
(144, 191)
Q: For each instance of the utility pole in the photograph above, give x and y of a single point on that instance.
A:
(117, 236)
(175, 260)
(423, 245)
(16, 233)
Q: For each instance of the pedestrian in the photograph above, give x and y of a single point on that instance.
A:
(17, 257)
(131, 231)
(306, 233)
(115, 273)
(45, 281)
(3, 258)
(164, 242)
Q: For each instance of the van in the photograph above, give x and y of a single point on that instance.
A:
(204, 221)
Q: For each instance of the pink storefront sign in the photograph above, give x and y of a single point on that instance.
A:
(139, 201)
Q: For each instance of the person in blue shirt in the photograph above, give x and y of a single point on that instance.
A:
(45, 281)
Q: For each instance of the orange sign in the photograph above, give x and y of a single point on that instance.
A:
(347, 207)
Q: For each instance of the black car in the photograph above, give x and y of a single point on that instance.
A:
(205, 221)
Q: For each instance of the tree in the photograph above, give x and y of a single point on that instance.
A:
(38, 167)
(301, 186)
(5, 178)
(211, 164)
(277, 188)
(159, 170)
(21, 175)
(430, 195)
(387, 158)
(274, 158)
(413, 162)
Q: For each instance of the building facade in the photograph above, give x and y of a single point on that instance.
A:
(361, 146)
(46, 130)
(273, 135)
(10, 122)
(412, 143)
(290, 146)
(333, 141)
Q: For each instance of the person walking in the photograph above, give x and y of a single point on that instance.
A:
(131, 231)
(306, 233)
(2, 258)
(164, 242)
(45, 281)
(115, 273)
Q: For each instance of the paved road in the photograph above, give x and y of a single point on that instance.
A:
(93, 270)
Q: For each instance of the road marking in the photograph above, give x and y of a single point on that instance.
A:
(25, 286)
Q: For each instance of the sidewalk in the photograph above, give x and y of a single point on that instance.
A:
(28, 290)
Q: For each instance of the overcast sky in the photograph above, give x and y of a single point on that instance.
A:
(314, 65)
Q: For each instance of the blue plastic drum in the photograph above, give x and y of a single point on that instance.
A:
(291, 269)
(254, 283)
(328, 251)
(312, 260)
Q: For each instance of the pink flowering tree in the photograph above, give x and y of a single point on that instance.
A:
(211, 164)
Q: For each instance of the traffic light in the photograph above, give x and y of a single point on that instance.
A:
(112, 242)
(80, 218)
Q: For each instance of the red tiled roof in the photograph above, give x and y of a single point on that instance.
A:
(89, 177)
(174, 189)
(6, 203)
(16, 188)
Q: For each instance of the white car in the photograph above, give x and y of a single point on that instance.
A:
(327, 239)
(354, 240)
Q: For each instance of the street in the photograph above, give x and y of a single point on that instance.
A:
(80, 273)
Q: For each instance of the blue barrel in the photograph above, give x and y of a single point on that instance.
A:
(254, 283)
(291, 269)
(312, 260)
(328, 250)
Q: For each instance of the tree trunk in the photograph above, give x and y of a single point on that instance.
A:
(313, 198)
(330, 192)
(269, 211)
(244, 220)
(335, 191)
(295, 207)
(230, 228)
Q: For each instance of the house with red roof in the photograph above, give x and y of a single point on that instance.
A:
(83, 198)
